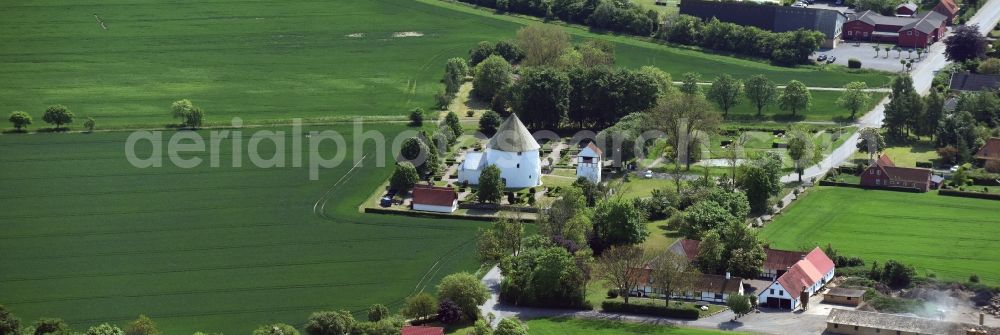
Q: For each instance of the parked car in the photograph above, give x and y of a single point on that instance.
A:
(648, 174)
(800, 5)
(831, 60)
(821, 58)
(385, 202)
(954, 168)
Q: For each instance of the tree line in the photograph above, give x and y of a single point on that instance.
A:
(59, 116)
(786, 48)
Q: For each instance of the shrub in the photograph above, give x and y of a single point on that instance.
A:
(974, 278)
(417, 117)
(470, 113)
(927, 165)
(449, 312)
(621, 307)
(612, 294)
(854, 63)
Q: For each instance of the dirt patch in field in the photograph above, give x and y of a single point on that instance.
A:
(356, 35)
(407, 34)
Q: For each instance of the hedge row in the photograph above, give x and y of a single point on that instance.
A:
(978, 195)
(621, 307)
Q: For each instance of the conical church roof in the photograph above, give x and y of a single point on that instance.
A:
(513, 136)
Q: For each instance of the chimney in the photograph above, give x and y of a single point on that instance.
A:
(980, 315)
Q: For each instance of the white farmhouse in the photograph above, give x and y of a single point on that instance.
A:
(513, 150)
(808, 274)
(588, 162)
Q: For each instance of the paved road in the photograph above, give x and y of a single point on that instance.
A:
(765, 322)
(923, 76)
(811, 88)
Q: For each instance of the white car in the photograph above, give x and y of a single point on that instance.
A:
(648, 174)
(954, 168)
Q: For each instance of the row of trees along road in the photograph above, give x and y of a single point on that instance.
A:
(58, 115)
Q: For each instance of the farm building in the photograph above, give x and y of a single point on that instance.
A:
(848, 322)
(885, 173)
(710, 288)
(775, 263)
(917, 31)
(434, 199)
(974, 82)
(769, 17)
(779, 261)
(687, 248)
(512, 149)
(844, 296)
(989, 154)
(948, 8)
(589, 162)
(906, 9)
(421, 330)
(807, 276)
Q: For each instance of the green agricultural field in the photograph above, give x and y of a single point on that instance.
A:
(559, 326)
(949, 236)
(89, 238)
(268, 62)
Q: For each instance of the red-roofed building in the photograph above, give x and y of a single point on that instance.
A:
(706, 287)
(434, 199)
(687, 248)
(778, 261)
(948, 8)
(884, 173)
(422, 330)
(990, 154)
(807, 275)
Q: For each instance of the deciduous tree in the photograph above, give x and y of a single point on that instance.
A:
(760, 91)
(795, 97)
(419, 306)
(330, 323)
(451, 120)
(855, 97)
(404, 177)
(542, 97)
(466, 291)
(9, 324)
(500, 239)
(673, 274)
(191, 116)
(965, 43)
(689, 83)
(760, 178)
(510, 327)
(491, 186)
(19, 119)
(726, 92)
(51, 326)
(801, 150)
(377, 312)
(58, 115)
(276, 329)
(489, 122)
(871, 141)
(739, 304)
(617, 222)
(710, 252)
(142, 326)
(621, 265)
(542, 44)
(492, 75)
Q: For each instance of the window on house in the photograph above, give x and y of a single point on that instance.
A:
(878, 172)
(849, 32)
(836, 325)
(909, 33)
(772, 291)
(848, 298)
(855, 327)
(780, 292)
(718, 295)
(518, 165)
(518, 153)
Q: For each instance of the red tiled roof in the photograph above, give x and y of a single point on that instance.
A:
(990, 150)
(946, 7)
(689, 248)
(917, 175)
(422, 330)
(884, 160)
(781, 259)
(819, 260)
(434, 196)
(806, 272)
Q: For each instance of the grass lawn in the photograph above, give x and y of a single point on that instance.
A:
(660, 237)
(269, 62)
(91, 239)
(824, 108)
(950, 236)
(906, 155)
(561, 326)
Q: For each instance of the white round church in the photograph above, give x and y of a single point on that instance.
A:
(513, 150)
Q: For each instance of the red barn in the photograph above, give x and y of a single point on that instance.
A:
(948, 8)
(906, 9)
(907, 32)
(885, 173)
